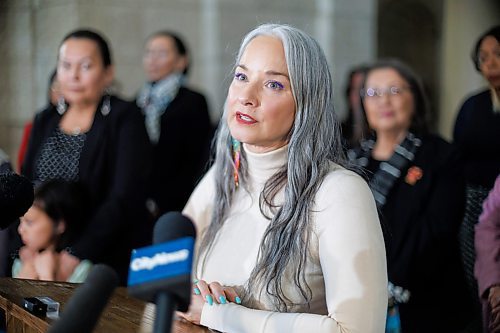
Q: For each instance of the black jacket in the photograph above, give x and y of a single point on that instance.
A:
(477, 134)
(422, 223)
(180, 156)
(114, 165)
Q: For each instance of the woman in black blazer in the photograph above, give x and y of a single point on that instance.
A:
(477, 127)
(100, 141)
(177, 121)
(416, 181)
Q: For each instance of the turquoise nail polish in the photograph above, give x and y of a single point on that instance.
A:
(238, 300)
(222, 300)
(195, 281)
(209, 299)
(197, 291)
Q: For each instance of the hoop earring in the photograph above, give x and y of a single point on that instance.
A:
(61, 106)
(106, 104)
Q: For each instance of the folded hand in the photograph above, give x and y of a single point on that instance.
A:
(209, 293)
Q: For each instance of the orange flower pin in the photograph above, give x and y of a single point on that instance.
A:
(414, 174)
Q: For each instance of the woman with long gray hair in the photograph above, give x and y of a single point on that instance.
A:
(289, 240)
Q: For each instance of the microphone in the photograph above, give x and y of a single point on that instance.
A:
(81, 313)
(161, 273)
(16, 197)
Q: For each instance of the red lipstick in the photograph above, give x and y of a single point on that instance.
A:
(245, 119)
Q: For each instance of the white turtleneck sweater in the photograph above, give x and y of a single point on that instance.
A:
(346, 270)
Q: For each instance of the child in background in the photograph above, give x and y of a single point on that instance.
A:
(53, 222)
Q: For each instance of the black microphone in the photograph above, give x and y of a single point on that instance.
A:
(161, 273)
(16, 197)
(81, 313)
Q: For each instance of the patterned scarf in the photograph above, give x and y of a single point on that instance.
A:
(154, 98)
(389, 171)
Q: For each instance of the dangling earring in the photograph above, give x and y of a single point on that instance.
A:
(61, 105)
(236, 159)
(106, 104)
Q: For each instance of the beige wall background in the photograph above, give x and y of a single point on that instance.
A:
(463, 22)
(31, 30)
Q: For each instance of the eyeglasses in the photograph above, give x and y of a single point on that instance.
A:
(379, 92)
(484, 57)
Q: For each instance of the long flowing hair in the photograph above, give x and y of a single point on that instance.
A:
(314, 141)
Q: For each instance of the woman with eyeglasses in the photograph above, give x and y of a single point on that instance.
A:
(416, 180)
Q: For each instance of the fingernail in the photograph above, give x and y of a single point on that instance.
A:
(197, 291)
(238, 300)
(222, 299)
(195, 281)
(209, 299)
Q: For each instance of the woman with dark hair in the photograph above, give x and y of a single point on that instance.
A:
(477, 135)
(289, 240)
(53, 222)
(416, 180)
(99, 140)
(354, 127)
(52, 98)
(177, 122)
(477, 126)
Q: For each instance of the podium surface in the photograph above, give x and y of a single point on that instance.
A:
(123, 313)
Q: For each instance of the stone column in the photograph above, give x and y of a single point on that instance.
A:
(31, 30)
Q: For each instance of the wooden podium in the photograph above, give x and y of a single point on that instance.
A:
(123, 314)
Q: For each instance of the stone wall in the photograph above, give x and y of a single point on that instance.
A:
(31, 30)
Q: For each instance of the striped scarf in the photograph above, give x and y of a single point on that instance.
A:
(389, 171)
(153, 99)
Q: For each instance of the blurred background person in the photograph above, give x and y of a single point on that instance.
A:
(416, 179)
(177, 122)
(5, 167)
(477, 134)
(99, 140)
(53, 222)
(487, 266)
(354, 127)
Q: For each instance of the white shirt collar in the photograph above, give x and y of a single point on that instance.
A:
(495, 101)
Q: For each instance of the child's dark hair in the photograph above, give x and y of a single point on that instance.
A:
(63, 201)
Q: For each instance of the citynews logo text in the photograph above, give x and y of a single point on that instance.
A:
(159, 259)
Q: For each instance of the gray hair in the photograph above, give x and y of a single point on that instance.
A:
(314, 141)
